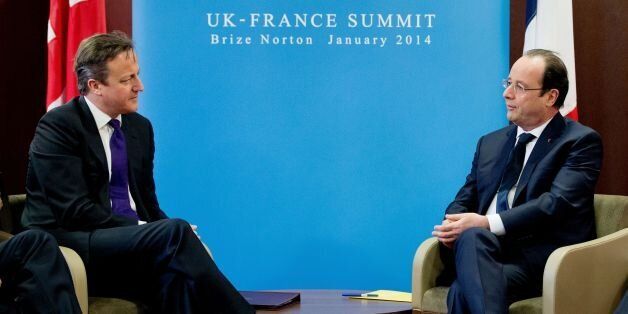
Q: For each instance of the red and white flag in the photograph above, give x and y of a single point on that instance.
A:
(549, 25)
(69, 22)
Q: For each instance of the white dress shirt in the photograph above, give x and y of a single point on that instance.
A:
(494, 220)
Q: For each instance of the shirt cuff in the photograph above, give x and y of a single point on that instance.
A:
(140, 222)
(495, 224)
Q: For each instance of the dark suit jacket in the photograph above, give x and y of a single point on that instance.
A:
(553, 204)
(67, 183)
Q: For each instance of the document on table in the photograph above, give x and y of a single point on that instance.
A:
(386, 295)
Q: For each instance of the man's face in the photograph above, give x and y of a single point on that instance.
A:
(529, 109)
(122, 87)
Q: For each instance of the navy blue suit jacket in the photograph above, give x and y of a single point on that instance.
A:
(553, 204)
(68, 178)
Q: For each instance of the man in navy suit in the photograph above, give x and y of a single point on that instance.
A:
(90, 184)
(530, 191)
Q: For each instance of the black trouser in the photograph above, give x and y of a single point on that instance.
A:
(489, 275)
(35, 277)
(162, 264)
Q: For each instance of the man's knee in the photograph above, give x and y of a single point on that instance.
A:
(473, 234)
(32, 238)
(177, 224)
(34, 243)
(477, 238)
(176, 227)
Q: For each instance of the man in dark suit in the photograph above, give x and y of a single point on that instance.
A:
(530, 191)
(90, 184)
(34, 277)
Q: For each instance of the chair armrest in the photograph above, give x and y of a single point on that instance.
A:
(17, 201)
(5, 236)
(426, 267)
(16, 206)
(79, 277)
(588, 277)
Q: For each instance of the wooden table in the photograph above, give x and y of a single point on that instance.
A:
(332, 301)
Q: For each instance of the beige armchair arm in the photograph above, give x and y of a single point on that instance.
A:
(589, 277)
(5, 235)
(79, 277)
(425, 268)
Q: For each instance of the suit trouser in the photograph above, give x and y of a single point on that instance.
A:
(162, 264)
(489, 275)
(35, 277)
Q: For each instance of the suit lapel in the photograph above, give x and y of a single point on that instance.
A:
(92, 136)
(547, 140)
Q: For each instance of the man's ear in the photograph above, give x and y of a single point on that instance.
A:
(94, 86)
(552, 97)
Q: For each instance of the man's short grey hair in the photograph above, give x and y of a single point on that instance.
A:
(93, 54)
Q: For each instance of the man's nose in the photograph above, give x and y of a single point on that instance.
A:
(509, 92)
(138, 85)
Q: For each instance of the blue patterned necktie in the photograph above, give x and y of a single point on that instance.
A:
(119, 183)
(512, 171)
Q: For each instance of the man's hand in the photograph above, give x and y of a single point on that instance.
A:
(444, 241)
(194, 228)
(455, 224)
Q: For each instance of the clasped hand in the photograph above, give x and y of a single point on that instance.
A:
(455, 224)
(194, 228)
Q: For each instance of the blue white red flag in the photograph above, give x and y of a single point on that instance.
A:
(549, 25)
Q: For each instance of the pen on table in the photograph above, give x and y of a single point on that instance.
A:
(359, 295)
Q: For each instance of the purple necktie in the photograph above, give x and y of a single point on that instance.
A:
(119, 183)
(512, 171)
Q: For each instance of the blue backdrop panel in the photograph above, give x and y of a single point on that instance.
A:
(318, 165)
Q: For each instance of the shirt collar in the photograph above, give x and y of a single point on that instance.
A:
(536, 131)
(100, 117)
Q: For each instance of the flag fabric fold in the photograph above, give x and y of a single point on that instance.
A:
(69, 22)
(549, 25)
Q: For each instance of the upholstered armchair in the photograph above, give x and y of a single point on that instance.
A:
(589, 277)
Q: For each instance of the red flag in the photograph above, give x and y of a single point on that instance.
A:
(69, 23)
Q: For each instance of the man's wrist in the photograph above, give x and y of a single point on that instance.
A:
(495, 224)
